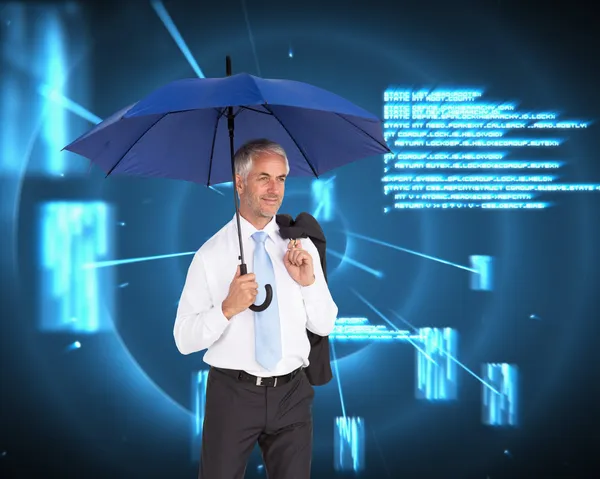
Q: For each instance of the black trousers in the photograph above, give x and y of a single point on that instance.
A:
(239, 414)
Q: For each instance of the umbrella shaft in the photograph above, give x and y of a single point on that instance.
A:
(230, 127)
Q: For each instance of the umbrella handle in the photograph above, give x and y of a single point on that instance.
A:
(268, 288)
(266, 302)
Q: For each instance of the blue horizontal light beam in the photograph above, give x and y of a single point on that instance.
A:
(104, 264)
(344, 258)
(389, 245)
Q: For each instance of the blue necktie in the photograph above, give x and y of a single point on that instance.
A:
(266, 323)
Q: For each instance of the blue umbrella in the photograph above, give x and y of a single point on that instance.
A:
(185, 130)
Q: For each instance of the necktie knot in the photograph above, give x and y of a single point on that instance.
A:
(260, 236)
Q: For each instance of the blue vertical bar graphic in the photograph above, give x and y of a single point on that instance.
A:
(74, 296)
(12, 98)
(436, 371)
(349, 444)
(199, 381)
(483, 279)
(53, 56)
(500, 408)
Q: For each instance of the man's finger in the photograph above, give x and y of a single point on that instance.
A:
(305, 256)
(247, 278)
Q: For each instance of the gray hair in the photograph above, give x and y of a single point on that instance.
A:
(245, 155)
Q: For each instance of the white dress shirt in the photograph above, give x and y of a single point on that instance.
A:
(200, 323)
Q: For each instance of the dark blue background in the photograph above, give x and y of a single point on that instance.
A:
(92, 415)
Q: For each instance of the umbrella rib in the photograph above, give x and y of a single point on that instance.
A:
(294, 140)
(212, 148)
(135, 143)
(363, 131)
(255, 110)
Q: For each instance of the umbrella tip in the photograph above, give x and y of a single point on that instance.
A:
(228, 65)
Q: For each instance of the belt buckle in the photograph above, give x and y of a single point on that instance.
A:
(260, 381)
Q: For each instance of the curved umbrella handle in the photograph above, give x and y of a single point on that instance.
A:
(266, 302)
(257, 308)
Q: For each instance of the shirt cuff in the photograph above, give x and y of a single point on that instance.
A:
(215, 321)
(313, 291)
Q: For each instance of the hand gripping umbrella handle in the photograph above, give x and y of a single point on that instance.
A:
(268, 288)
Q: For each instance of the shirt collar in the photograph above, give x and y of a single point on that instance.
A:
(271, 228)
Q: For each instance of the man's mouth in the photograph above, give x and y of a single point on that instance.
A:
(270, 200)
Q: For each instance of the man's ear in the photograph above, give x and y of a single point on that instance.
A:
(239, 184)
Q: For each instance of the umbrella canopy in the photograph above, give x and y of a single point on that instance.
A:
(185, 131)
(180, 131)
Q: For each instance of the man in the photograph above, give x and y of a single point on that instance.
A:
(257, 390)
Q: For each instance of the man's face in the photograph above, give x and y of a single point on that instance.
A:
(263, 192)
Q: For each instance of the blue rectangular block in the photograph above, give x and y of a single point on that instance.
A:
(323, 201)
(199, 381)
(17, 117)
(436, 370)
(482, 280)
(349, 444)
(500, 407)
(76, 296)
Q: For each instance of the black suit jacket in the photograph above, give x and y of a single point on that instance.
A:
(306, 226)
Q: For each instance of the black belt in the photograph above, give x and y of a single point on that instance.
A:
(271, 382)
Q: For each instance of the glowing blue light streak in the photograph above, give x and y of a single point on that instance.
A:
(481, 380)
(382, 316)
(164, 16)
(57, 97)
(117, 262)
(346, 259)
(337, 377)
(216, 190)
(251, 36)
(389, 245)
